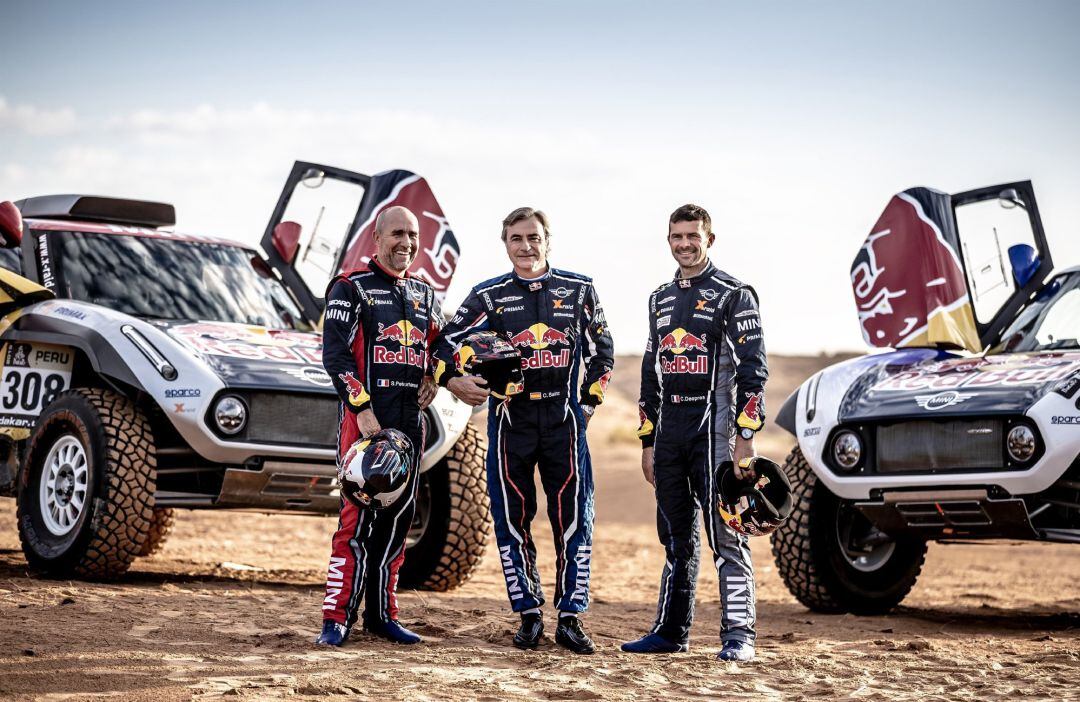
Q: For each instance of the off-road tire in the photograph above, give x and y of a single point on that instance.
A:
(454, 541)
(812, 564)
(112, 527)
(161, 525)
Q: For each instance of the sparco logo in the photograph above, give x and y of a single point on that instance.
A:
(1065, 420)
(941, 400)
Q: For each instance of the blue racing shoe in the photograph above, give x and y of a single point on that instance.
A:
(333, 634)
(391, 630)
(738, 651)
(654, 643)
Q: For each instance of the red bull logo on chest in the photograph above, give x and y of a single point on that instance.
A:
(539, 337)
(678, 342)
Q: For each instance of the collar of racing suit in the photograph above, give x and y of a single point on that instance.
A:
(708, 270)
(525, 282)
(375, 267)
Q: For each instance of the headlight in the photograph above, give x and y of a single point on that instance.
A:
(1021, 443)
(847, 449)
(230, 415)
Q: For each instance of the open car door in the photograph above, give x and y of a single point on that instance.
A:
(950, 270)
(324, 221)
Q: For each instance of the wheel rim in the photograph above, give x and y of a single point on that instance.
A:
(64, 478)
(865, 547)
(422, 515)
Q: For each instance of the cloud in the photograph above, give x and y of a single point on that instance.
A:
(36, 121)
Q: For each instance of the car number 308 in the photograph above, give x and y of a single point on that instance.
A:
(29, 391)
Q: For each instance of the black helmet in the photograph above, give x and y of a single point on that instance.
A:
(493, 358)
(375, 470)
(757, 507)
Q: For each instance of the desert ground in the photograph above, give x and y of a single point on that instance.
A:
(230, 606)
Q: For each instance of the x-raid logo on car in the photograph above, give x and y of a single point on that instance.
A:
(942, 400)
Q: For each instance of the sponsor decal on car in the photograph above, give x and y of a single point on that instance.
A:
(992, 371)
(1067, 388)
(173, 393)
(811, 431)
(248, 342)
(311, 374)
(942, 400)
(1073, 420)
(32, 375)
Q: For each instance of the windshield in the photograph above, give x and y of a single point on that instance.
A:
(1051, 321)
(173, 279)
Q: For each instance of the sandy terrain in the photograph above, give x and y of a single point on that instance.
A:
(231, 604)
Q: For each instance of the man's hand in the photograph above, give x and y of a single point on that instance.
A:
(744, 448)
(647, 465)
(367, 424)
(428, 389)
(469, 389)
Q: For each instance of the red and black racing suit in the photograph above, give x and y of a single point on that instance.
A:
(557, 324)
(703, 375)
(377, 333)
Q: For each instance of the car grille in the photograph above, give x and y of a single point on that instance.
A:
(921, 446)
(283, 418)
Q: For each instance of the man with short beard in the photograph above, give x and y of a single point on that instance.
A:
(377, 331)
(702, 400)
(554, 318)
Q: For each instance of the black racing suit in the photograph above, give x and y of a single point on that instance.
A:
(557, 324)
(377, 334)
(703, 373)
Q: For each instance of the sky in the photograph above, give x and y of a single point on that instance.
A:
(792, 123)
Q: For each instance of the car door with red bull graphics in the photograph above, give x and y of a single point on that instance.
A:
(323, 224)
(949, 270)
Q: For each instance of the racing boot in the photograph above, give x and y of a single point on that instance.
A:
(738, 651)
(654, 643)
(333, 633)
(391, 630)
(529, 633)
(571, 636)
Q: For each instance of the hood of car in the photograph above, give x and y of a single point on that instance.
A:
(945, 384)
(245, 356)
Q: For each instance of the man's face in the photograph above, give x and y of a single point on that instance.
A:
(526, 245)
(689, 243)
(398, 239)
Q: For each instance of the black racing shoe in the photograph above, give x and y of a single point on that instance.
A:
(392, 630)
(529, 633)
(333, 633)
(655, 643)
(571, 636)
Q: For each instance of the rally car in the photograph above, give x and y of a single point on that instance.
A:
(146, 370)
(968, 429)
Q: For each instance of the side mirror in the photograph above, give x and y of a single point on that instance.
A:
(1025, 261)
(286, 239)
(11, 226)
(1009, 199)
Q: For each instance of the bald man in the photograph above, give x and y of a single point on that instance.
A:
(378, 329)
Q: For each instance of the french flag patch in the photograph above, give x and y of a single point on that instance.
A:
(382, 383)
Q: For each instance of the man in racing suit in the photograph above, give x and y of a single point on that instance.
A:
(702, 380)
(554, 318)
(378, 327)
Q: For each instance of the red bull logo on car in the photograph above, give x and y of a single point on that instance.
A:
(539, 337)
(907, 278)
